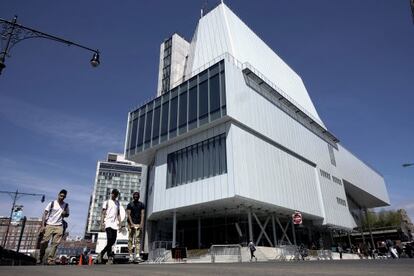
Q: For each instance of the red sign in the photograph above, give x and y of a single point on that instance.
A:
(297, 218)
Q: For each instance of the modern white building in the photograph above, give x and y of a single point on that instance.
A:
(234, 146)
(113, 173)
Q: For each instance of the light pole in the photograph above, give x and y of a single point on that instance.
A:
(407, 165)
(12, 33)
(16, 195)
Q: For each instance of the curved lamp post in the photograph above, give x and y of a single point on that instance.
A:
(12, 33)
(407, 165)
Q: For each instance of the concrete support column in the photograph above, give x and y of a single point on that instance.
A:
(174, 238)
(362, 230)
(349, 240)
(293, 232)
(199, 232)
(249, 221)
(274, 230)
(370, 231)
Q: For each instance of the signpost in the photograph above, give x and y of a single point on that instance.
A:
(297, 218)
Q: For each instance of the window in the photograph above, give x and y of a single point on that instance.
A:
(192, 105)
(164, 120)
(325, 174)
(341, 201)
(183, 110)
(173, 114)
(156, 130)
(215, 93)
(201, 160)
(336, 180)
(133, 134)
(148, 127)
(203, 102)
(141, 130)
(332, 154)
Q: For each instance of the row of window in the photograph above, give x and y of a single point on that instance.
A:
(341, 201)
(337, 180)
(116, 167)
(328, 176)
(325, 174)
(197, 101)
(110, 174)
(202, 160)
(166, 65)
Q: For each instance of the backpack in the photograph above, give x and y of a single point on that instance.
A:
(64, 223)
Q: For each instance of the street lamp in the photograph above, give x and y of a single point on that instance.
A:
(12, 33)
(15, 195)
(407, 165)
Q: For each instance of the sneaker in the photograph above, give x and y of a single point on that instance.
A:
(110, 261)
(138, 259)
(98, 259)
(131, 258)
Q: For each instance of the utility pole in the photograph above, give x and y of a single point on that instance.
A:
(16, 195)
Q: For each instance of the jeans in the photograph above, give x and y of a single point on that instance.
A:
(110, 241)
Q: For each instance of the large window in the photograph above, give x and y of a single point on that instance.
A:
(141, 130)
(197, 101)
(156, 129)
(164, 120)
(173, 116)
(202, 160)
(148, 127)
(134, 133)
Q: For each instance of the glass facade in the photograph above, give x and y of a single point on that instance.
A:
(195, 102)
(202, 160)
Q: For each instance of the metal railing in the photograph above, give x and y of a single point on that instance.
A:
(230, 250)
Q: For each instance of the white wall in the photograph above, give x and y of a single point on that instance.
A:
(221, 31)
(255, 112)
(265, 173)
(204, 190)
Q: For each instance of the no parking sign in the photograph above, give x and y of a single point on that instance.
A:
(297, 218)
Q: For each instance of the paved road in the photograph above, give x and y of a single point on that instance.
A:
(337, 268)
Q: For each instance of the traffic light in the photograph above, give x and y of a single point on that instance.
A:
(43, 199)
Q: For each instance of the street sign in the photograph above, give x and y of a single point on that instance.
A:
(297, 218)
(16, 216)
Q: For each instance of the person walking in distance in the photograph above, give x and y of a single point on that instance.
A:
(135, 213)
(53, 226)
(110, 222)
(252, 248)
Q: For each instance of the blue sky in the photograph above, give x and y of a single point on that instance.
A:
(58, 116)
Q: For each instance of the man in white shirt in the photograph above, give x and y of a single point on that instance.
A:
(110, 221)
(53, 226)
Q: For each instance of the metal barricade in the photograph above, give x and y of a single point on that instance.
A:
(230, 250)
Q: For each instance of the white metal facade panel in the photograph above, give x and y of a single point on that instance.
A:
(265, 173)
(205, 190)
(221, 31)
(361, 175)
(254, 111)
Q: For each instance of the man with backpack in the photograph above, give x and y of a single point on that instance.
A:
(53, 226)
(110, 222)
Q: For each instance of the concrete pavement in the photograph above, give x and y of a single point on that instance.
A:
(337, 268)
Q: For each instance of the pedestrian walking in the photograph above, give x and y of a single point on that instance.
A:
(53, 227)
(135, 213)
(111, 223)
(252, 248)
